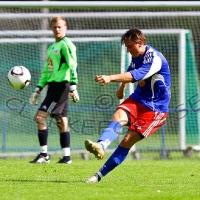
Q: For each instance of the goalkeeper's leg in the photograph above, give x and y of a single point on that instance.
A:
(40, 119)
(62, 124)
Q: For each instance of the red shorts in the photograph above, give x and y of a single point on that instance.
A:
(142, 119)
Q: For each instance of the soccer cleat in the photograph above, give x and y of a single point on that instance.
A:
(41, 159)
(93, 179)
(63, 161)
(95, 148)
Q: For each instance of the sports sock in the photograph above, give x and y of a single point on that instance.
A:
(66, 154)
(114, 160)
(65, 144)
(42, 137)
(109, 134)
(43, 150)
(98, 175)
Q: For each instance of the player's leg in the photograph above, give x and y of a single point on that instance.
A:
(62, 124)
(144, 125)
(108, 135)
(118, 156)
(54, 104)
(119, 119)
(40, 119)
(60, 112)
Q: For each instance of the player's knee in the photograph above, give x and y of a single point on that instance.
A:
(62, 124)
(124, 142)
(127, 142)
(59, 123)
(39, 119)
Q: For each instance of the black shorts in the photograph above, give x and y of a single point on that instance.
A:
(56, 100)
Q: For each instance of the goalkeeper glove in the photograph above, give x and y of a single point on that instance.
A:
(73, 94)
(34, 97)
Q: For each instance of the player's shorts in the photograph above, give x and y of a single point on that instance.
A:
(56, 100)
(142, 119)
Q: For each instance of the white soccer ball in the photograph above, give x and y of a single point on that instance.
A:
(19, 77)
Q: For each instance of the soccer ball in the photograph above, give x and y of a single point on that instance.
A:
(19, 77)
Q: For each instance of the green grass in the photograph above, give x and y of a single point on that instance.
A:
(134, 179)
(29, 142)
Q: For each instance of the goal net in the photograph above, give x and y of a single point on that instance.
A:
(25, 36)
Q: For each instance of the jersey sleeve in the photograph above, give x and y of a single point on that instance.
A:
(43, 79)
(71, 58)
(151, 65)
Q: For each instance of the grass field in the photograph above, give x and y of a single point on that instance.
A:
(134, 179)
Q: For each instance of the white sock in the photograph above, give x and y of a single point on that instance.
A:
(100, 174)
(105, 144)
(66, 151)
(43, 149)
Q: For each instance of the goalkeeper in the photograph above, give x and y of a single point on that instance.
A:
(144, 111)
(60, 75)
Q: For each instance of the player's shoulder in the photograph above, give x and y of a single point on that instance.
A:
(148, 55)
(67, 40)
(51, 46)
(68, 43)
(151, 51)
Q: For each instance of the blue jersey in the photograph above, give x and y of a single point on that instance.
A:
(152, 73)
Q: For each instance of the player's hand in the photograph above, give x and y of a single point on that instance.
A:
(34, 97)
(103, 79)
(73, 94)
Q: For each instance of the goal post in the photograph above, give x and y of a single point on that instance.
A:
(192, 117)
(179, 52)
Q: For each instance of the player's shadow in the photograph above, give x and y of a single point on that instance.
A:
(42, 181)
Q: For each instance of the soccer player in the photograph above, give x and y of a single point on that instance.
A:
(60, 75)
(144, 111)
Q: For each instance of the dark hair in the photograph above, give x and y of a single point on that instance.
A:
(134, 35)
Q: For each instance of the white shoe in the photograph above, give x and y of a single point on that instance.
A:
(95, 148)
(92, 179)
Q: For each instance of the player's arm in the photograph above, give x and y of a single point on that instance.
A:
(147, 69)
(69, 51)
(43, 79)
(71, 58)
(124, 78)
(120, 93)
(41, 84)
(44, 75)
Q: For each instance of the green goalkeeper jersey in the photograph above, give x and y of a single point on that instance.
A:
(61, 63)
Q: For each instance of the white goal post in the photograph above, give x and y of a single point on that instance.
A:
(181, 59)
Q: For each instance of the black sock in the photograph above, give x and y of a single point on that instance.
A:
(65, 139)
(64, 143)
(66, 158)
(42, 136)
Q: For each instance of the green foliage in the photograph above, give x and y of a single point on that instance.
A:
(141, 180)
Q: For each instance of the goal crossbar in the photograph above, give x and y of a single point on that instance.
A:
(98, 4)
(93, 32)
(97, 15)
